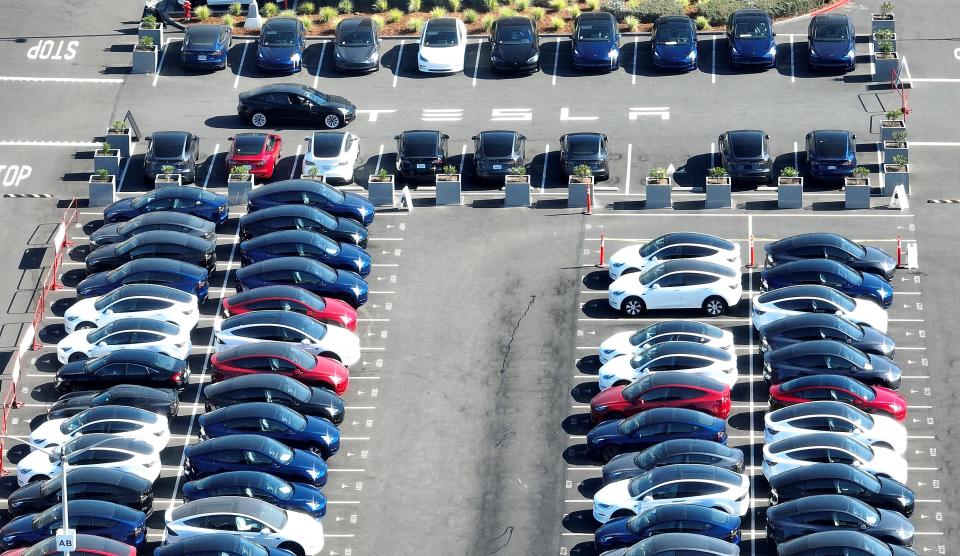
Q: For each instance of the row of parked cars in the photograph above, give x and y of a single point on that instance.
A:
(834, 445)
(280, 363)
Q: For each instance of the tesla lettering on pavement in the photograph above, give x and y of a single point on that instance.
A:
(53, 50)
(13, 174)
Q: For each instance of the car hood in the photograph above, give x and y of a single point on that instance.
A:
(616, 528)
(873, 337)
(310, 496)
(616, 343)
(893, 489)
(48, 432)
(311, 463)
(753, 48)
(356, 54)
(514, 53)
(105, 253)
(359, 206)
(38, 463)
(876, 283)
(119, 207)
(629, 282)
(603, 431)
(609, 396)
(351, 281)
(447, 55)
(278, 53)
(29, 491)
(620, 467)
(356, 254)
(73, 341)
(614, 494)
(594, 50)
(352, 228)
(80, 308)
(73, 404)
(91, 283)
(108, 233)
(618, 366)
(674, 51)
(880, 258)
(831, 49)
(339, 100)
(18, 526)
(627, 255)
(871, 313)
(883, 366)
(894, 525)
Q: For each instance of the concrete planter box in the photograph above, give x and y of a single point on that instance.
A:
(144, 59)
(101, 193)
(448, 189)
(884, 66)
(318, 177)
(659, 193)
(892, 149)
(719, 193)
(167, 179)
(895, 175)
(889, 127)
(109, 162)
(880, 21)
(516, 190)
(856, 193)
(578, 191)
(789, 192)
(239, 189)
(155, 34)
(120, 141)
(380, 191)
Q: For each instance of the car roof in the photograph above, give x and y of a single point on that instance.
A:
(285, 318)
(831, 18)
(804, 291)
(675, 238)
(117, 412)
(809, 543)
(514, 21)
(279, 290)
(673, 415)
(813, 347)
(290, 236)
(423, 135)
(681, 543)
(664, 19)
(818, 502)
(832, 134)
(694, 265)
(596, 16)
(101, 508)
(149, 325)
(206, 29)
(498, 135)
(286, 210)
(164, 265)
(352, 23)
(693, 445)
(282, 22)
(107, 476)
(833, 381)
(288, 185)
(816, 407)
(83, 543)
(816, 471)
(171, 136)
(256, 410)
(688, 511)
(258, 380)
(259, 349)
(804, 320)
(745, 133)
(689, 326)
(443, 23)
(280, 88)
(223, 543)
(671, 378)
(232, 442)
(217, 504)
(750, 12)
(282, 263)
(237, 477)
(109, 441)
(177, 238)
(142, 356)
(173, 217)
(180, 192)
(815, 439)
(583, 135)
(686, 471)
(680, 347)
(152, 290)
(814, 238)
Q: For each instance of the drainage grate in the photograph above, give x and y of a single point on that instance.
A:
(944, 201)
(27, 196)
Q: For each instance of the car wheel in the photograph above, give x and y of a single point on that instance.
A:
(331, 121)
(296, 549)
(613, 416)
(331, 355)
(259, 119)
(631, 270)
(883, 445)
(38, 478)
(715, 306)
(84, 326)
(77, 357)
(633, 306)
(622, 513)
(609, 452)
(621, 383)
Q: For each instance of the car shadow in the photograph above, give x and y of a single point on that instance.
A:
(577, 424)
(585, 391)
(578, 454)
(545, 169)
(693, 172)
(597, 280)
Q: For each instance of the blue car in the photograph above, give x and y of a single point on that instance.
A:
(125, 366)
(826, 357)
(674, 43)
(596, 41)
(275, 421)
(671, 518)
(831, 154)
(672, 544)
(165, 272)
(841, 542)
(190, 200)
(831, 42)
(252, 452)
(750, 39)
(823, 245)
(205, 47)
(681, 450)
(650, 427)
(302, 217)
(281, 44)
(304, 243)
(221, 544)
(824, 326)
(825, 272)
(315, 194)
(91, 517)
(308, 274)
(263, 486)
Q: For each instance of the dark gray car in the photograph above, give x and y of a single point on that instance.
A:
(829, 512)
(178, 149)
(745, 154)
(357, 45)
(497, 153)
(588, 149)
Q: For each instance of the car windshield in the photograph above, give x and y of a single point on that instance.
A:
(279, 452)
(497, 147)
(639, 485)
(420, 146)
(852, 247)
(831, 32)
(654, 246)
(168, 146)
(296, 389)
(671, 35)
(98, 334)
(597, 31)
(249, 144)
(440, 36)
(653, 274)
(202, 37)
(583, 146)
(52, 486)
(278, 37)
(356, 38)
(831, 146)
(142, 201)
(514, 35)
(864, 512)
(746, 145)
(751, 29)
(109, 298)
(644, 334)
(47, 518)
(326, 145)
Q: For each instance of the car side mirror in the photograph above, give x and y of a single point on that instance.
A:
(229, 138)
(396, 137)
(307, 139)
(305, 341)
(523, 137)
(108, 312)
(102, 344)
(149, 138)
(766, 136)
(474, 138)
(648, 498)
(773, 34)
(655, 286)
(445, 136)
(854, 137)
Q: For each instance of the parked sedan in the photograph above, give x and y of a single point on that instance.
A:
(750, 39)
(840, 478)
(834, 247)
(332, 154)
(669, 452)
(642, 430)
(127, 366)
(305, 273)
(134, 301)
(676, 357)
(514, 45)
(822, 447)
(112, 419)
(274, 421)
(633, 342)
(674, 43)
(252, 452)
(584, 149)
(498, 153)
(291, 298)
(838, 417)
(85, 544)
(294, 103)
(421, 154)
(822, 326)
(307, 244)
(831, 154)
(84, 483)
(357, 45)
(178, 149)
(281, 217)
(259, 153)
(174, 274)
(281, 44)
(299, 497)
(171, 198)
(677, 285)
(206, 46)
(745, 154)
(152, 221)
(144, 334)
(160, 401)
(306, 333)
(222, 544)
(703, 485)
(89, 517)
(669, 544)
(786, 302)
(314, 194)
(873, 399)
(664, 389)
(442, 45)
(673, 518)
(175, 246)
(275, 389)
(841, 542)
(832, 42)
(827, 357)
(830, 512)
(596, 41)
(99, 451)
(674, 246)
(280, 358)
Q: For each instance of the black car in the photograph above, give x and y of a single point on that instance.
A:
(126, 366)
(829, 512)
(356, 45)
(705, 452)
(295, 103)
(675, 544)
(84, 483)
(312, 193)
(820, 357)
(823, 245)
(823, 326)
(831, 153)
(421, 154)
(840, 478)
(177, 246)
(841, 543)
(195, 201)
(588, 149)
(514, 45)
(302, 217)
(178, 149)
(162, 401)
(221, 544)
(497, 153)
(169, 221)
(278, 389)
(745, 154)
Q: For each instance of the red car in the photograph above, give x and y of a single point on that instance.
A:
(259, 151)
(291, 298)
(282, 359)
(86, 544)
(663, 389)
(875, 399)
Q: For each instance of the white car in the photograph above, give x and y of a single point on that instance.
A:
(250, 518)
(635, 341)
(832, 416)
(795, 300)
(673, 246)
(313, 336)
(807, 449)
(689, 357)
(702, 485)
(333, 154)
(147, 334)
(443, 46)
(149, 301)
(117, 420)
(94, 450)
(677, 285)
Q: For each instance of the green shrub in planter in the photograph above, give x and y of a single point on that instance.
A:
(306, 8)
(313, 172)
(884, 34)
(557, 24)
(658, 173)
(885, 47)
(470, 16)
(518, 170)
(414, 6)
(886, 8)
(117, 126)
(437, 12)
(240, 171)
(307, 21)
(378, 19)
(203, 13)
(487, 22)
(167, 169)
(236, 9)
(701, 22)
(788, 172)
(582, 171)
(558, 5)
(150, 22)
(415, 24)
(717, 172)
(900, 136)
(649, 10)
(380, 6)
(449, 169)
(574, 11)
(536, 14)
(455, 5)
(632, 23)
(521, 5)
(593, 5)
(861, 172)
(103, 174)
(394, 15)
(505, 11)
(327, 14)
(270, 9)
(900, 160)
(145, 43)
(382, 174)
(894, 114)
(228, 20)
(105, 149)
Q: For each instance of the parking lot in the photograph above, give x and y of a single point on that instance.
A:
(466, 417)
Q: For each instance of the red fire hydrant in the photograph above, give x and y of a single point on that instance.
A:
(186, 9)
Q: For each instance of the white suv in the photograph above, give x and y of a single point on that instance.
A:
(151, 301)
(675, 246)
(681, 284)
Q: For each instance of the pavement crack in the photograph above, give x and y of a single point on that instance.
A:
(503, 539)
(513, 334)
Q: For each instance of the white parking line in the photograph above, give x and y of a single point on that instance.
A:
(793, 75)
(379, 158)
(870, 51)
(213, 158)
(60, 79)
(556, 61)
(463, 158)
(316, 76)
(396, 70)
(713, 63)
(546, 161)
(633, 77)
(476, 65)
(243, 57)
(796, 156)
(166, 47)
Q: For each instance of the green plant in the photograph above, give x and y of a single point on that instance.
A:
(236, 9)
(593, 5)
(382, 174)
(658, 173)
(884, 34)
(240, 170)
(117, 126)
(557, 23)
(557, 5)
(633, 4)
(287, 13)
(487, 22)
(582, 171)
(521, 5)
(788, 172)
(894, 114)
(415, 24)
(718, 11)
(536, 14)
(861, 172)
(449, 169)
(313, 171)
(886, 8)
(470, 16)
(345, 6)
(327, 14)
(885, 47)
(306, 8)
(649, 10)
(505, 11)
(307, 21)
(488, 5)
(900, 160)
(103, 174)
(632, 23)
(684, 3)
(717, 172)
(518, 170)
(228, 20)
(145, 42)
(575, 11)
(149, 22)
(900, 136)
(414, 6)
(378, 19)
(168, 169)
(380, 6)
(455, 5)
(270, 9)
(702, 22)
(437, 11)
(394, 15)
